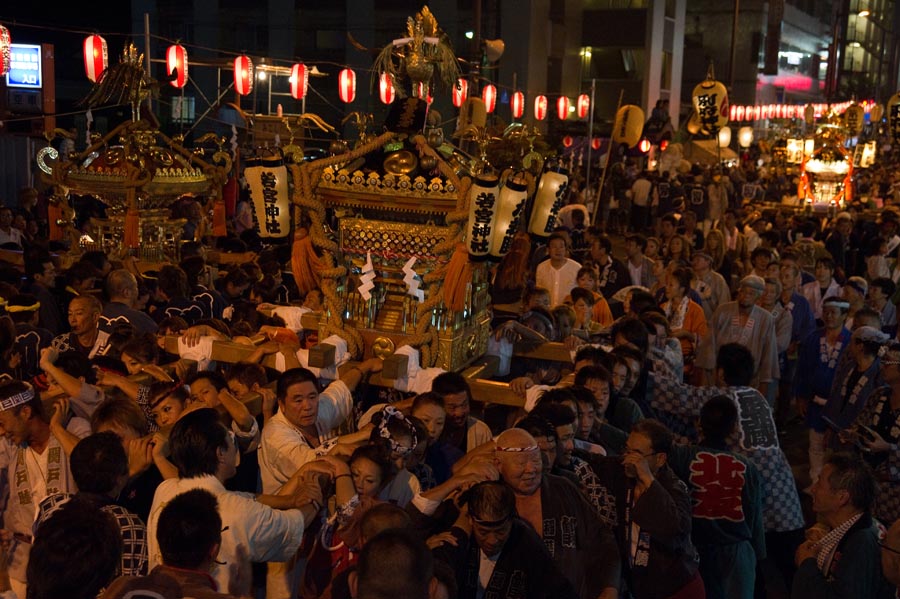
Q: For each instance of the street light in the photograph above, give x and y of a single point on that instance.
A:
(863, 13)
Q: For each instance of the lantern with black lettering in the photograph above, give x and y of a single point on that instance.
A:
(483, 197)
(268, 183)
(548, 200)
(629, 125)
(460, 92)
(893, 116)
(711, 104)
(299, 81)
(243, 75)
(512, 203)
(854, 119)
(540, 108)
(96, 57)
(176, 60)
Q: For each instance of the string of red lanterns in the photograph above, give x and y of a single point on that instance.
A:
(540, 108)
(562, 108)
(790, 111)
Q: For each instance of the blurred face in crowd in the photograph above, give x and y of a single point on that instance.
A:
(547, 447)
(521, 470)
(790, 276)
(490, 538)
(600, 389)
(202, 390)
(366, 477)
(166, 412)
(833, 317)
(823, 274)
(457, 408)
(301, 404)
(747, 296)
(82, 317)
(583, 312)
(586, 281)
(14, 424)
(6, 218)
(556, 249)
(433, 417)
(132, 365)
(620, 376)
(770, 296)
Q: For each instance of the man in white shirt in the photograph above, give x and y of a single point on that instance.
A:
(206, 455)
(816, 292)
(640, 267)
(559, 273)
(303, 429)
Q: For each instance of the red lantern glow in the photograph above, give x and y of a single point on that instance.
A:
(460, 92)
(568, 141)
(562, 108)
(96, 57)
(347, 85)
(299, 81)
(540, 108)
(517, 105)
(733, 114)
(243, 75)
(595, 143)
(489, 95)
(386, 88)
(663, 145)
(584, 105)
(176, 59)
(644, 145)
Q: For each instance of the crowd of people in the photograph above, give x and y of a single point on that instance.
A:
(644, 458)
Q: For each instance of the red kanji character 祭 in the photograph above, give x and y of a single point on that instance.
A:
(718, 481)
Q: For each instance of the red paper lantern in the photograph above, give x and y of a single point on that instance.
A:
(243, 75)
(584, 105)
(568, 141)
(595, 143)
(96, 57)
(5, 43)
(517, 105)
(460, 92)
(663, 145)
(733, 115)
(176, 59)
(644, 145)
(489, 95)
(386, 88)
(540, 108)
(347, 85)
(299, 81)
(562, 108)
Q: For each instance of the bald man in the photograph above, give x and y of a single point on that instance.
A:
(122, 289)
(581, 547)
(890, 554)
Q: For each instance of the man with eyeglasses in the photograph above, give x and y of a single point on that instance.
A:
(844, 562)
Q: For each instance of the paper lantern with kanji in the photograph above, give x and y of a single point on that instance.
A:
(893, 116)
(540, 108)
(271, 200)
(711, 104)
(347, 85)
(299, 80)
(176, 60)
(386, 88)
(489, 95)
(483, 197)
(511, 204)
(583, 106)
(562, 108)
(460, 92)
(96, 57)
(629, 125)
(243, 75)
(548, 200)
(854, 119)
(517, 105)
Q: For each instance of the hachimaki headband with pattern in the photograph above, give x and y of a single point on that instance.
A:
(389, 413)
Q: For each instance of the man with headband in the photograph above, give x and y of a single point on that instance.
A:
(818, 360)
(582, 548)
(498, 554)
(34, 465)
(743, 322)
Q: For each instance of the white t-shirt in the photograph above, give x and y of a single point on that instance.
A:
(485, 571)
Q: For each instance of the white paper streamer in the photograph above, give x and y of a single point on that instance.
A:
(367, 278)
(412, 283)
